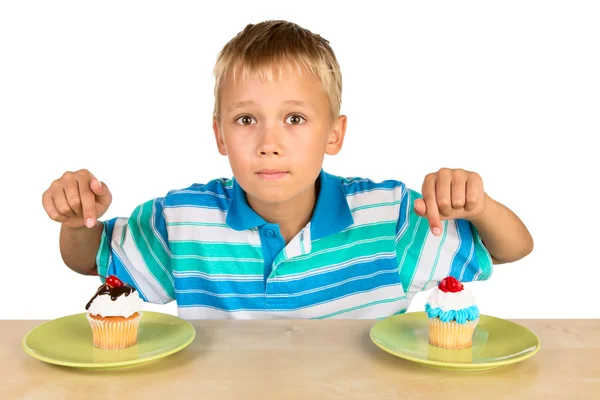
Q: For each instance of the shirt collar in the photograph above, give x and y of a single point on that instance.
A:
(331, 215)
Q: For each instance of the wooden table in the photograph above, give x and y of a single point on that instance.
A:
(328, 359)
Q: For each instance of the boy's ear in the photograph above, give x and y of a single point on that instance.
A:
(336, 136)
(219, 138)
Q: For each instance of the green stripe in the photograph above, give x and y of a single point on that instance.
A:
(218, 224)
(219, 267)
(151, 249)
(484, 260)
(103, 254)
(415, 233)
(390, 203)
(375, 230)
(437, 256)
(361, 306)
(208, 249)
(301, 264)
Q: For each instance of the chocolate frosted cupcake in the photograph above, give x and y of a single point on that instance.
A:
(114, 314)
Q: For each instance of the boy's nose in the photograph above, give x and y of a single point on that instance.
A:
(270, 143)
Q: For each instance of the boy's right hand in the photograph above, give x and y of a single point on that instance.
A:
(77, 199)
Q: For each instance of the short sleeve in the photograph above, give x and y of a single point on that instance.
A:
(136, 250)
(425, 259)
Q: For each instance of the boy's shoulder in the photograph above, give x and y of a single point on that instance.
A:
(218, 192)
(367, 187)
(215, 193)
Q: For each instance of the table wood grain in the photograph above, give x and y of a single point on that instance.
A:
(308, 359)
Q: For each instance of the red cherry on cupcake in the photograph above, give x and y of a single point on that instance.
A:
(113, 281)
(450, 284)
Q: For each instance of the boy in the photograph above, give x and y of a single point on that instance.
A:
(284, 239)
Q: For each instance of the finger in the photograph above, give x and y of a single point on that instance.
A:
(433, 215)
(61, 203)
(420, 208)
(88, 204)
(474, 192)
(459, 185)
(72, 195)
(103, 195)
(50, 208)
(443, 189)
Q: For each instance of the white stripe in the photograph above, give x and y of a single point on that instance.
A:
(200, 192)
(374, 197)
(372, 190)
(335, 284)
(334, 267)
(139, 224)
(376, 310)
(407, 214)
(355, 180)
(219, 295)
(343, 247)
(428, 254)
(293, 249)
(376, 214)
(449, 249)
(217, 259)
(156, 233)
(312, 311)
(195, 214)
(464, 268)
(133, 261)
(412, 241)
(218, 277)
(212, 234)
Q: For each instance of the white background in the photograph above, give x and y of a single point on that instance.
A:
(508, 89)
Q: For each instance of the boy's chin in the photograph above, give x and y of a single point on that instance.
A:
(271, 196)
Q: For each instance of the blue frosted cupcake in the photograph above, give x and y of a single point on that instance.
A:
(453, 315)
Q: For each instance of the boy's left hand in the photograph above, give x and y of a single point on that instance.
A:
(450, 194)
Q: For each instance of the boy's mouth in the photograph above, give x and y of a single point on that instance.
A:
(271, 174)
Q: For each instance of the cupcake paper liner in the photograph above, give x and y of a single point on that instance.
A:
(114, 333)
(451, 335)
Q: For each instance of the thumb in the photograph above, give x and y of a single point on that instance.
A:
(420, 207)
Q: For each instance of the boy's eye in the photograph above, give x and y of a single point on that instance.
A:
(244, 120)
(295, 119)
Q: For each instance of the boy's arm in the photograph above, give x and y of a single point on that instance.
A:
(456, 194)
(79, 246)
(503, 233)
(76, 200)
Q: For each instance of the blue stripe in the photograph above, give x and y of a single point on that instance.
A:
(368, 185)
(289, 302)
(213, 194)
(118, 268)
(109, 227)
(459, 260)
(159, 221)
(197, 199)
(223, 287)
(317, 281)
(404, 210)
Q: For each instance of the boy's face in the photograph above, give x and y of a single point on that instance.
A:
(276, 135)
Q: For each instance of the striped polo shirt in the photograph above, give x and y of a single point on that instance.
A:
(364, 253)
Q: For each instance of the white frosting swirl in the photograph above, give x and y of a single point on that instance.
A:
(123, 306)
(448, 301)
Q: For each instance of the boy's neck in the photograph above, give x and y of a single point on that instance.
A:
(290, 216)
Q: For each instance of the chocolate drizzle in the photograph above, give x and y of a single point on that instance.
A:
(114, 292)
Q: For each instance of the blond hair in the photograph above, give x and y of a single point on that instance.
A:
(271, 45)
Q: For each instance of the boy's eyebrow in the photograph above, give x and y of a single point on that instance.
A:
(245, 103)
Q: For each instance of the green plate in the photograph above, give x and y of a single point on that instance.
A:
(67, 341)
(496, 343)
